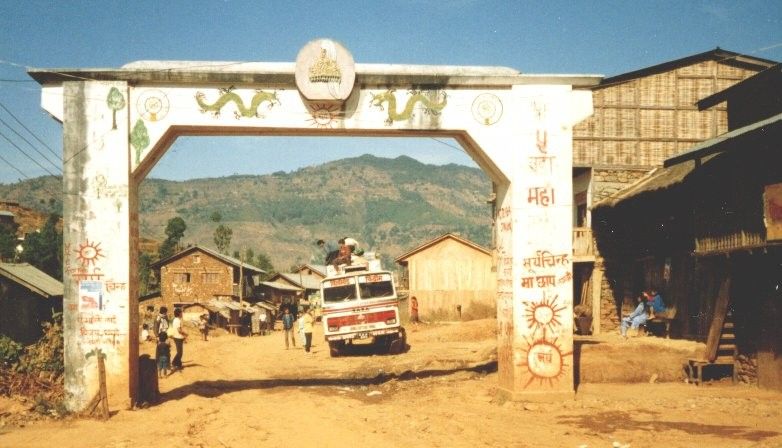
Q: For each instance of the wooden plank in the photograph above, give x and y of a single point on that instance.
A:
(720, 310)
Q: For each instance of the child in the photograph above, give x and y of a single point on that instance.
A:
(144, 333)
(162, 354)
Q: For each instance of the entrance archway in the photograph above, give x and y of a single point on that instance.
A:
(117, 123)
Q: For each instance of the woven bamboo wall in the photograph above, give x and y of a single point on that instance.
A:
(643, 121)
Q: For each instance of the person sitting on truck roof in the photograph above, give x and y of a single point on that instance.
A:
(344, 255)
(330, 249)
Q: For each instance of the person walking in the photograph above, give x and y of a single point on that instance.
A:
(179, 336)
(414, 310)
(162, 355)
(307, 321)
(203, 325)
(161, 322)
(300, 329)
(262, 318)
(287, 327)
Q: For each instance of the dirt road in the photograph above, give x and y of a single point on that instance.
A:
(239, 392)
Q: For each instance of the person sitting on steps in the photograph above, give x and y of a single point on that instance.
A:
(637, 318)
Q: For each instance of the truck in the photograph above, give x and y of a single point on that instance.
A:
(359, 303)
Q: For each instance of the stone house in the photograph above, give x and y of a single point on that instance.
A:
(450, 276)
(640, 119)
(197, 275)
(714, 241)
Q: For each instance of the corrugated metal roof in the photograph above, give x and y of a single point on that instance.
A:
(281, 286)
(230, 260)
(718, 54)
(402, 258)
(32, 278)
(304, 280)
(265, 305)
(680, 166)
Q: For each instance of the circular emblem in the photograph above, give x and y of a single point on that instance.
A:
(152, 105)
(325, 71)
(487, 109)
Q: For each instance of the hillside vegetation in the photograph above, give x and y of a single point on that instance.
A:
(388, 205)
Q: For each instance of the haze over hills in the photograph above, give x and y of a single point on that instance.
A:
(388, 205)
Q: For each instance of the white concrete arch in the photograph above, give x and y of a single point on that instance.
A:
(118, 123)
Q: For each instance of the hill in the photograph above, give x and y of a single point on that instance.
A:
(388, 205)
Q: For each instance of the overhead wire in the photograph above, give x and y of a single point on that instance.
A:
(25, 153)
(29, 131)
(31, 145)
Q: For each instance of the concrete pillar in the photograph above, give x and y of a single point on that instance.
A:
(99, 315)
(534, 244)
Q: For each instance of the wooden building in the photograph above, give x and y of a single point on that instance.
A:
(451, 276)
(640, 119)
(28, 297)
(707, 229)
(198, 274)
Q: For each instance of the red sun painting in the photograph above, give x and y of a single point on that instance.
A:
(543, 315)
(88, 252)
(545, 361)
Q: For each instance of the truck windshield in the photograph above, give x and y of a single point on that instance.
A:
(376, 290)
(339, 293)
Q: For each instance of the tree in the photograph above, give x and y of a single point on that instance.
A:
(175, 230)
(8, 241)
(115, 101)
(43, 249)
(222, 238)
(263, 262)
(215, 216)
(144, 273)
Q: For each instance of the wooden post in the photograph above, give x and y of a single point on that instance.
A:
(720, 310)
(104, 397)
(99, 405)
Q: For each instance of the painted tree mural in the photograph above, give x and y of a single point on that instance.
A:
(139, 138)
(115, 101)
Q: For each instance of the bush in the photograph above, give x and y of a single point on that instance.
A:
(10, 351)
(47, 353)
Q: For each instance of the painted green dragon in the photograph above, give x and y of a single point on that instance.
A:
(427, 98)
(228, 95)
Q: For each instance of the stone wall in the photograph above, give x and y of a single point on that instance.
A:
(747, 369)
(607, 182)
(208, 277)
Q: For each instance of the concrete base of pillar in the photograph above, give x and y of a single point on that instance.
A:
(537, 396)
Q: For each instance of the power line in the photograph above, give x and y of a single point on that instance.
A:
(30, 144)
(26, 155)
(29, 131)
(14, 167)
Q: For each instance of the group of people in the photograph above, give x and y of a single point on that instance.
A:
(305, 326)
(340, 253)
(161, 330)
(649, 303)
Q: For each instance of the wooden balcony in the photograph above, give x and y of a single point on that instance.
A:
(583, 245)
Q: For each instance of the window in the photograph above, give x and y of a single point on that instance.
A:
(210, 277)
(182, 277)
(196, 259)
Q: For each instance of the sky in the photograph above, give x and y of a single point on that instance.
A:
(573, 37)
